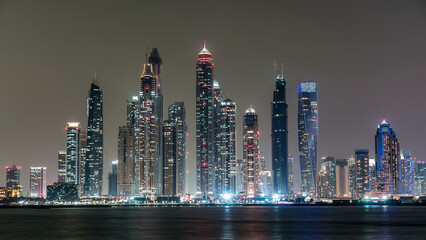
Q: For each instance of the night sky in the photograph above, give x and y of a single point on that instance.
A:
(368, 58)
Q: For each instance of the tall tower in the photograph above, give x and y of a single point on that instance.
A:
(204, 124)
(388, 165)
(308, 135)
(280, 138)
(38, 182)
(73, 153)
(126, 163)
(133, 118)
(82, 170)
(13, 176)
(407, 172)
(228, 110)
(95, 142)
(150, 118)
(251, 154)
(362, 158)
(62, 166)
(169, 159)
(177, 115)
(219, 164)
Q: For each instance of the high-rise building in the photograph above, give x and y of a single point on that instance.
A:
(342, 177)
(388, 165)
(204, 124)
(308, 135)
(83, 148)
(177, 115)
(126, 162)
(265, 178)
(13, 176)
(326, 179)
(407, 172)
(95, 142)
(133, 117)
(62, 166)
(352, 176)
(280, 138)
(38, 182)
(73, 153)
(112, 180)
(150, 119)
(251, 154)
(372, 172)
(239, 176)
(420, 177)
(218, 143)
(290, 177)
(362, 157)
(227, 120)
(169, 158)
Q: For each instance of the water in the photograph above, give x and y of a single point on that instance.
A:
(280, 222)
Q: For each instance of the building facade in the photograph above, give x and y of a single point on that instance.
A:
(73, 153)
(308, 135)
(94, 150)
(280, 138)
(170, 181)
(13, 176)
(228, 111)
(62, 166)
(204, 124)
(112, 180)
(126, 161)
(362, 157)
(177, 114)
(251, 155)
(38, 182)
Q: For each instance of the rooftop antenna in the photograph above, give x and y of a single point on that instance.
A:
(275, 67)
(146, 51)
(282, 70)
(95, 79)
(204, 44)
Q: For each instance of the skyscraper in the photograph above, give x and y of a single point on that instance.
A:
(150, 119)
(290, 177)
(95, 142)
(352, 176)
(177, 115)
(228, 129)
(326, 179)
(83, 148)
(73, 153)
(388, 165)
(126, 163)
(169, 158)
(38, 182)
(420, 177)
(133, 118)
(342, 177)
(251, 154)
(407, 172)
(219, 164)
(308, 134)
(13, 176)
(62, 166)
(204, 124)
(280, 138)
(362, 157)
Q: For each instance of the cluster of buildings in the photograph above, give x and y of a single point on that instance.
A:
(152, 151)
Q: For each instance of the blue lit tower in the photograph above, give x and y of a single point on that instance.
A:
(150, 118)
(307, 117)
(177, 115)
(251, 155)
(204, 124)
(280, 138)
(407, 172)
(94, 148)
(388, 163)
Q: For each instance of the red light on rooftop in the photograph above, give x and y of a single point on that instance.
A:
(204, 164)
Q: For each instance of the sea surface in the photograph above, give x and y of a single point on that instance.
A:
(272, 222)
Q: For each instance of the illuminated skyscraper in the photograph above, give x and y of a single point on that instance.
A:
(204, 124)
(38, 182)
(83, 151)
(352, 176)
(62, 166)
(112, 180)
(388, 165)
(342, 177)
(177, 115)
(126, 163)
(228, 134)
(308, 134)
(290, 177)
(73, 153)
(280, 138)
(218, 146)
(251, 154)
(407, 172)
(362, 157)
(13, 176)
(94, 150)
(326, 179)
(169, 159)
(133, 117)
(150, 119)
(420, 177)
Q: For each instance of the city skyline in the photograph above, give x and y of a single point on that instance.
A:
(334, 116)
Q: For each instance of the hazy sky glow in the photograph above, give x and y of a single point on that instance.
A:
(368, 58)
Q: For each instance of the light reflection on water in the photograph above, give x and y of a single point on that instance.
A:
(276, 222)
